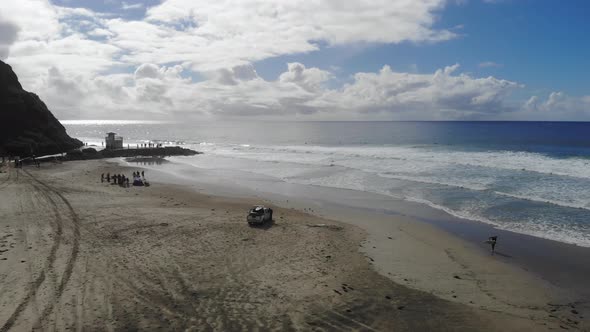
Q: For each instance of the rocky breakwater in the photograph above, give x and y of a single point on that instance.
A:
(27, 127)
(91, 153)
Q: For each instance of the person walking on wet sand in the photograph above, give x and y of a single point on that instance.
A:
(109, 177)
(492, 241)
(102, 178)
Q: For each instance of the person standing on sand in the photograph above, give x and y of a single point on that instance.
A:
(102, 178)
(109, 177)
(492, 241)
(142, 174)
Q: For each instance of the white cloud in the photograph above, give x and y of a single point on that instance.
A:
(205, 36)
(310, 79)
(488, 64)
(37, 20)
(8, 34)
(334, 21)
(224, 34)
(163, 91)
(131, 6)
(558, 106)
(69, 56)
(52, 37)
(98, 32)
(423, 96)
(147, 70)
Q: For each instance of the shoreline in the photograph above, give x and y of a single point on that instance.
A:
(548, 259)
(154, 215)
(561, 267)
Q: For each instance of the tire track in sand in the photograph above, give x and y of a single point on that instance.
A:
(7, 180)
(46, 191)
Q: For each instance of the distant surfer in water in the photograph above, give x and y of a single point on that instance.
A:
(492, 241)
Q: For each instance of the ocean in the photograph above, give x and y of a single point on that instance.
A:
(526, 177)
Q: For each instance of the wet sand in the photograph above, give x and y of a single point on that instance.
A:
(79, 254)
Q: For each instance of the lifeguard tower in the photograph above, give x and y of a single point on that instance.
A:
(113, 142)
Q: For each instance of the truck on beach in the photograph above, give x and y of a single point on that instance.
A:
(259, 215)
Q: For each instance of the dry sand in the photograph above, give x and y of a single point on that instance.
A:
(82, 255)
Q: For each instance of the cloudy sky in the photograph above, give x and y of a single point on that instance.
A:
(302, 60)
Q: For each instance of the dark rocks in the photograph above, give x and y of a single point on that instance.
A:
(90, 153)
(75, 155)
(27, 127)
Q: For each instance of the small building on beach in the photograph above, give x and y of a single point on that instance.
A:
(113, 142)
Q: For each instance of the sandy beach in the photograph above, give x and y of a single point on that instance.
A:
(78, 254)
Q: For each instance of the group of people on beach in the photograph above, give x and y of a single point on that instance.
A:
(151, 145)
(123, 181)
(119, 179)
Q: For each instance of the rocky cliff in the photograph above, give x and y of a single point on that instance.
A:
(27, 127)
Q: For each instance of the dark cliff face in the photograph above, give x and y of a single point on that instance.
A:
(27, 127)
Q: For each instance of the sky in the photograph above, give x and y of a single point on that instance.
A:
(302, 60)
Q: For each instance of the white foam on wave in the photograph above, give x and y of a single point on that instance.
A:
(543, 229)
(318, 174)
(410, 164)
(459, 214)
(507, 160)
(457, 183)
(538, 199)
(458, 169)
(551, 231)
(503, 160)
